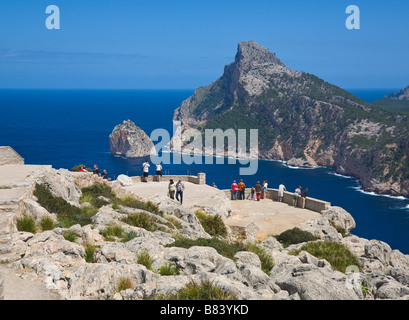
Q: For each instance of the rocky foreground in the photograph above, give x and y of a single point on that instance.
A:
(114, 269)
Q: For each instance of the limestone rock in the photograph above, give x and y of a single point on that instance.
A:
(339, 219)
(130, 141)
(124, 180)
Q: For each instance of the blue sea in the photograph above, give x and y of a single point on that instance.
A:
(65, 128)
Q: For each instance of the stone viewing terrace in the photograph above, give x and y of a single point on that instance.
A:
(262, 218)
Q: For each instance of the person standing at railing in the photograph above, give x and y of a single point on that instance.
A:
(158, 171)
(105, 174)
(234, 189)
(145, 169)
(281, 190)
(258, 190)
(242, 189)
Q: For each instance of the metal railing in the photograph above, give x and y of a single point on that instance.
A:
(167, 172)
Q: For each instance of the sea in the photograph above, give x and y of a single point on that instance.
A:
(65, 128)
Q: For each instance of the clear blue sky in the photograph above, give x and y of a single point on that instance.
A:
(186, 43)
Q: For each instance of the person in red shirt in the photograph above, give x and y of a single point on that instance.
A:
(234, 189)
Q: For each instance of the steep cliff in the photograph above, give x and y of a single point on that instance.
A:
(303, 119)
(130, 141)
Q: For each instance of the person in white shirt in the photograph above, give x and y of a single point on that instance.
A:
(281, 190)
(145, 170)
(158, 171)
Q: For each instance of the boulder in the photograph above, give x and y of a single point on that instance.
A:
(340, 219)
(124, 180)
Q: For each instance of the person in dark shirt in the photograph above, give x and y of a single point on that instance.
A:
(105, 174)
(96, 170)
(304, 193)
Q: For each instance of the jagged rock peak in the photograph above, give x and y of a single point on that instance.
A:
(250, 52)
(400, 95)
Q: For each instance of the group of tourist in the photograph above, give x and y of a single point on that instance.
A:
(96, 171)
(174, 189)
(145, 170)
(259, 191)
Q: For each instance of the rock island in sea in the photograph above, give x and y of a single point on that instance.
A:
(130, 141)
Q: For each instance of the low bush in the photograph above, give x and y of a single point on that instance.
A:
(26, 224)
(129, 236)
(224, 248)
(92, 193)
(47, 223)
(205, 290)
(213, 225)
(138, 204)
(113, 231)
(169, 270)
(89, 253)
(294, 236)
(124, 283)
(141, 220)
(265, 258)
(145, 259)
(67, 214)
(70, 236)
(335, 253)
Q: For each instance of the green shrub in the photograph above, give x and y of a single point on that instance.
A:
(213, 225)
(294, 236)
(145, 259)
(113, 231)
(26, 224)
(205, 290)
(265, 258)
(67, 214)
(89, 253)
(70, 236)
(124, 283)
(224, 248)
(47, 223)
(92, 193)
(168, 270)
(335, 253)
(138, 204)
(129, 236)
(141, 220)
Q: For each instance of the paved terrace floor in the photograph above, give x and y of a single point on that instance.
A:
(270, 216)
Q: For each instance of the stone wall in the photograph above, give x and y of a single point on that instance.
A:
(9, 156)
(199, 179)
(305, 203)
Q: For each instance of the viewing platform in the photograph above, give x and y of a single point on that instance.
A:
(266, 217)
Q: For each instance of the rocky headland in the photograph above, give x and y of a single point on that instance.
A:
(92, 239)
(303, 120)
(402, 94)
(130, 141)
